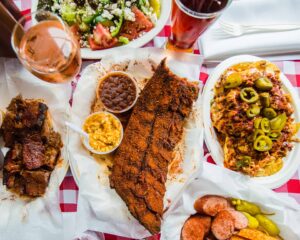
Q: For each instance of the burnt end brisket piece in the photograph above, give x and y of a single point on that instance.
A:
(33, 152)
(154, 129)
(8, 130)
(34, 147)
(35, 182)
(23, 116)
(51, 157)
(12, 165)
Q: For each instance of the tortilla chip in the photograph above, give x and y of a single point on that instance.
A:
(254, 234)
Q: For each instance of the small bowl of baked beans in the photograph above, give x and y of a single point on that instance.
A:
(117, 91)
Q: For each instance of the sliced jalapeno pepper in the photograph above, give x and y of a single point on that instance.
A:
(265, 125)
(257, 133)
(274, 134)
(233, 80)
(249, 95)
(269, 113)
(253, 111)
(265, 99)
(279, 122)
(262, 144)
(257, 123)
(264, 84)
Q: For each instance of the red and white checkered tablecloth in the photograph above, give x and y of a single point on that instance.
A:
(69, 189)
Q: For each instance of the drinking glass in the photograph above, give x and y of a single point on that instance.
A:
(190, 18)
(46, 47)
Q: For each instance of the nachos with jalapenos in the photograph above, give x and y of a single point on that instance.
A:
(252, 116)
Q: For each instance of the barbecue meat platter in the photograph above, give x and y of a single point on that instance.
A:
(34, 147)
(159, 150)
(155, 127)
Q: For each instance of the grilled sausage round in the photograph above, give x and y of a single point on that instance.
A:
(205, 221)
(240, 220)
(211, 204)
(223, 225)
(193, 228)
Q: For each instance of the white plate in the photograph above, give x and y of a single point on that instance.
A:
(87, 53)
(291, 162)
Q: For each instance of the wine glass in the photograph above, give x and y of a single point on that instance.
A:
(46, 47)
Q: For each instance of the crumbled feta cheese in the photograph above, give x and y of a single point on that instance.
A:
(73, 5)
(117, 12)
(90, 11)
(55, 7)
(128, 4)
(107, 15)
(100, 6)
(141, 34)
(113, 6)
(153, 17)
(112, 28)
(129, 15)
(83, 42)
(106, 6)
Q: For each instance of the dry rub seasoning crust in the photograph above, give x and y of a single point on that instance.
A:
(155, 127)
(235, 130)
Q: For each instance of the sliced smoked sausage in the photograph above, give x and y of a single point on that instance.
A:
(211, 205)
(223, 225)
(194, 228)
(240, 220)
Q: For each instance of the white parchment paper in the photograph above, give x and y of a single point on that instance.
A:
(99, 207)
(40, 218)
(219, 181)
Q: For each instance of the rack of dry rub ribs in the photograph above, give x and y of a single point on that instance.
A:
(155, 127)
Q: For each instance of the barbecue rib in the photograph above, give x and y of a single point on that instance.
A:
(34, 147)
(154, 129)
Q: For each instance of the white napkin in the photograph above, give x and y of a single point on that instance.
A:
(285, 44)
(40, 218)
(217, 180)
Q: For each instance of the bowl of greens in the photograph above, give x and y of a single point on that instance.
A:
(101, 26)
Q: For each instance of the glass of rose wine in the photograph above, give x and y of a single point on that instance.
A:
(190, 18)
(46, 47)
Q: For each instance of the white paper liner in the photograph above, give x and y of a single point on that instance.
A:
(40, 218)
(219, 181)
(99, 207)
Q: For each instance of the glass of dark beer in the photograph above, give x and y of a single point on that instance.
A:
(190, 18)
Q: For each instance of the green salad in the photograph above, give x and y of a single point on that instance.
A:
(101, 24)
